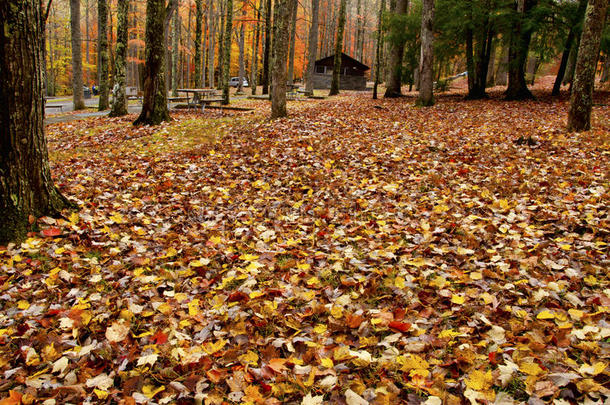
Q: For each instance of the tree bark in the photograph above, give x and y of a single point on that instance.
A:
(211, 43)
(175, 53)
(26, 185)
(198, 24)
(293, 32)
(378, 48)
(267, 50)
(242, 68)
(257, 34)
(581, 99)
(281, 24)
(154, 106)
(119, 99)
(334, 84)
(77, 60)
(397, 50)
(102, 18)
(520, 39)
(502, 70)
(226, 60)
(572, 34)
(426, 97)
(312, 46)
(490, 80)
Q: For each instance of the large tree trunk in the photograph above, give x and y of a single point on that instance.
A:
(312, 46)
(581, 99)
(267, 50)
(502, 70)
(154, 106)
(256, 39)
(520, 39)
(175, 53)
(397, 50)
(490, 80)
(572, 34)
(334, 84)
(26, 186)
(281, 24)
(119, 98)
(102, 19)
(606, 71)
(198, 24)
(293, 33)
(378, 48)
(226, 60)
(77, 60)
(211, 43)
(482, 63)
(241, 62)
(426, 98)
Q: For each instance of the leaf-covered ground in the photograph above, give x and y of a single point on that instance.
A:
(357, 252)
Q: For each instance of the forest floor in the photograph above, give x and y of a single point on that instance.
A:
(358, 251)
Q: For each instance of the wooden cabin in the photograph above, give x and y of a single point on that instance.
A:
(352, 75)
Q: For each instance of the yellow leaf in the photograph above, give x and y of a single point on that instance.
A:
(593, 369)
(327, 362)
(458, 299)
(590, 280)
(304, 266)
(450, 333)
(74, 218)
(117, 218)
(475, 275)
(194, 307)
(248, 257)
(479, 380)
(399, 282)
(216, 240)
(336, 312)
(249, 357)
(211, 348)
(320, 328)
(150, 390)
(23, 304)
(545, 315)
(101, 394)
(530, 368)
(164, 308)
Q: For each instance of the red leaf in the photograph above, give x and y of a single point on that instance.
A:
(51, 232)
(159, 338)
(401, 326)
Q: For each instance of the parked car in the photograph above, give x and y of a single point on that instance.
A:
(234, 82)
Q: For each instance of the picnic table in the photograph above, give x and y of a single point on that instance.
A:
(204, 93)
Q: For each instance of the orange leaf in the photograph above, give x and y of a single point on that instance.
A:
(277, 365)
(14, 398)
(51, 232)
(353, 321)
(401, 326)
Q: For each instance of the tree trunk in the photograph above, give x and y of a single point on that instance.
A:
(119, 98)
(293, 33)
(26, 186)
(257, 34)
(490, 81)
(359, 32)
(77, 60)
(154, 106)
(267, 50)
(572, 34)
(581, 99)
(226, 60)
(198, 24)
(606, 71)
(520, 39)
(397, 50)
(102, 18)
(211, 43)
(470, 58)
(175, 53)
(281, 25)
(334, 84)
(502, 70)
(242, 68)
(426, 98)
(312, 46)
(378, 49)
(87, 53)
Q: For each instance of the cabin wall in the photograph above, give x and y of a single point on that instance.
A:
(322, 81)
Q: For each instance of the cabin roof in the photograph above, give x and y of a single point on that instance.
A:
(346, 61)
